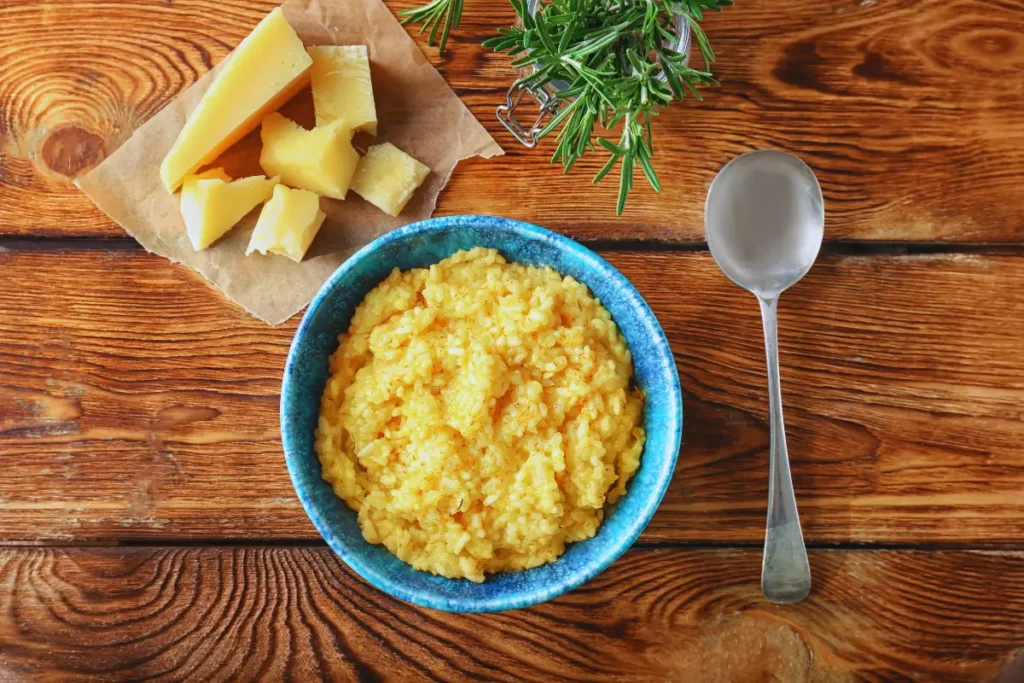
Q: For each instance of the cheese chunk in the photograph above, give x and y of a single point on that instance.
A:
(287, 224)
(342, 87)
(211, 203)
(262, 73)
(321, 160)
(386, 177)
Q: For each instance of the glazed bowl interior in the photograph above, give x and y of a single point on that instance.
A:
(423, 244)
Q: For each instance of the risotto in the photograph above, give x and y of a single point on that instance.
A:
(479, 415)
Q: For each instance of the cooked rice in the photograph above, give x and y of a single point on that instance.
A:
(479, 415)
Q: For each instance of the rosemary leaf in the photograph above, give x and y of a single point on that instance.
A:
(443, 15)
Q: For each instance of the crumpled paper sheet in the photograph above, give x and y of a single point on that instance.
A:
(416, 111)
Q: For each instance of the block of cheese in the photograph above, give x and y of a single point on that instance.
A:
(287, 224)
(262, 73)
(386, 177)
(341, 86)
(321, 160)
(212, 203)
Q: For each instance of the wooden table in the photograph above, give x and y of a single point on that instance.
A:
(148, 522)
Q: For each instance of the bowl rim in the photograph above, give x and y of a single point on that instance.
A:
(614, 549)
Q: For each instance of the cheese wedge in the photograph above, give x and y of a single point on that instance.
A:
(212, 204)
(342, 87)
(321, 160)
(386, 177)
(287, 224)
(262, 73)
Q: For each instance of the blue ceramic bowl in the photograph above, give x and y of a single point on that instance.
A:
(422, 244)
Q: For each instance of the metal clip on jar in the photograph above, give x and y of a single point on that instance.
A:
(546, 98)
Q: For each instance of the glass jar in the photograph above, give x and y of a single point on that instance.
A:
(545, 97)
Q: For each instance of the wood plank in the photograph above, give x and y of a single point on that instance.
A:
(656, 615)
(910, 112)
(137, 404)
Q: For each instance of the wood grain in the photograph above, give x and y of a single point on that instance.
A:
(910, 112)
(656, 615)
(135, 403)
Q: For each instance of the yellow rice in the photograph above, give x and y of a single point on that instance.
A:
(479, 415)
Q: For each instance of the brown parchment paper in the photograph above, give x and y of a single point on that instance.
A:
(416, 111)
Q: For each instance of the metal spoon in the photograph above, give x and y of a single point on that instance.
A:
(765, 220)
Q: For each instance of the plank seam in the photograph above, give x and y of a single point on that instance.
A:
(641, 545)
(42, 243)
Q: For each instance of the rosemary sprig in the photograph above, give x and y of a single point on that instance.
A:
(618, 61)
(443, 15)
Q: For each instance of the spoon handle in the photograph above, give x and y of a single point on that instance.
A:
(785, 573)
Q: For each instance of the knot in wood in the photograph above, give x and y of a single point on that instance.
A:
(70, 150)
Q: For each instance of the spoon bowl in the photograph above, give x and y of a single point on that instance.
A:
(765, 220)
